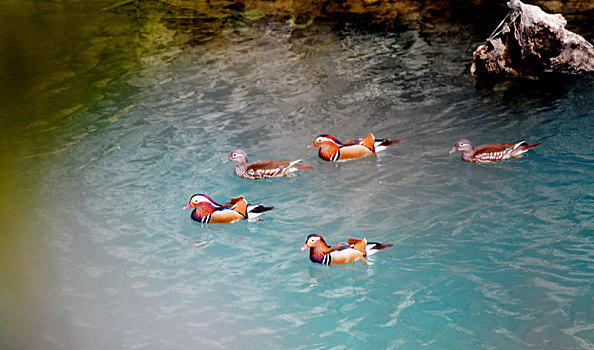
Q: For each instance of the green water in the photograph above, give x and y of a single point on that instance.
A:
(111, 120)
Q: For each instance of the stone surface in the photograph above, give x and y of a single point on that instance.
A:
(530, 41)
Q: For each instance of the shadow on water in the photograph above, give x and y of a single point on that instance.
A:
(539, 91)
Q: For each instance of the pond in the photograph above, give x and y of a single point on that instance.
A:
(112, 121)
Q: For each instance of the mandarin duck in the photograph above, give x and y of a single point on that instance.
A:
(333, 150)
(491, 152)
(261, 169)
(208, 211)
(354, 249)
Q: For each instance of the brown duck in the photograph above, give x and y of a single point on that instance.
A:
(264, 168)
(491, 152)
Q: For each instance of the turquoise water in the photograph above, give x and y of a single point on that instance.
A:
(485, 256)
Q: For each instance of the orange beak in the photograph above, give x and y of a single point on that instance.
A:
(305, 246)
(313, 144)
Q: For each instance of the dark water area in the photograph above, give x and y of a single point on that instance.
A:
(111, 120)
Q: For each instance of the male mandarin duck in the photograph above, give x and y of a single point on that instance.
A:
(208, 211)
(261, 169)
(354, 249)
(491, 152)
(333, 150)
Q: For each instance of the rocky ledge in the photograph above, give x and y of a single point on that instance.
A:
(529, 41)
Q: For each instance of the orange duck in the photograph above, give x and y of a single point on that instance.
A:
(208, 211)
(341, 253)
(333, 150)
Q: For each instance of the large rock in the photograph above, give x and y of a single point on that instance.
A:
(530, 41)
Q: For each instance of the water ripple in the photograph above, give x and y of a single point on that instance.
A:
(493, 256)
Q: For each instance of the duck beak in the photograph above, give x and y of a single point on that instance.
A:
(305, 246)
(188, 206)
(453, 150)
(227, 160)
(313, 144)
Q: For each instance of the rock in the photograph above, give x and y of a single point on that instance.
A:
(530, 41)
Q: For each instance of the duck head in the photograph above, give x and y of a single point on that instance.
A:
(463, 145)
(196, 199)
(312, 241)
(320, 139)
(237, 155)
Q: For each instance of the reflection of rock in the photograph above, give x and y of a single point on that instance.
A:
(532, 41)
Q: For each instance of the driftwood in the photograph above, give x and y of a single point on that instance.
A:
(530, 41)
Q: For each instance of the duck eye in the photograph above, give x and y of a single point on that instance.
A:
(234, 155)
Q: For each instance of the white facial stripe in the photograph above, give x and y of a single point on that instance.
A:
(199, 199)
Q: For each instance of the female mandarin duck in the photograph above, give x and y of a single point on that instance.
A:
(333, 150)
(321, 253)
(491, 152)
(263, 168)
(206, 210)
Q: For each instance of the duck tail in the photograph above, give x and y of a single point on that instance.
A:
(303, 167)
(522, 147)
(386, 142)
(527, 146)
(374, 247)
(382, 144)
(257, 209)
(295, 165)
